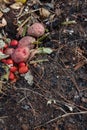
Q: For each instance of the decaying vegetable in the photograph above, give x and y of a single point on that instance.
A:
(16, 53)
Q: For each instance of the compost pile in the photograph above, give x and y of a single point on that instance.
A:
(43, 65)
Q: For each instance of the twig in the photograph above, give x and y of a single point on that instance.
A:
(74, 82)
(21, 100)
(79, 65)
(28, 13)
(38, 61)
(54, 105)
(3, 117)
(33, 110)
(72, 103)
(84, 89)
(62, 116)
(27, 89)
(23, 23)
(72, 78)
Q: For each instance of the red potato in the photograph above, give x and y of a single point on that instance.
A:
(36, 30)
(27, 41)
(9, 51)
(21, 54)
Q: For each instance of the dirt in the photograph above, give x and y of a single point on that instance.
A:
(57, 100)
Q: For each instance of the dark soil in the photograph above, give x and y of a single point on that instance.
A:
(57, 100)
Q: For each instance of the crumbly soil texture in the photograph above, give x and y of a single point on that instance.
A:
(57, 99)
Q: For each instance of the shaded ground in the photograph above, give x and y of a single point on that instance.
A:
(60, 84)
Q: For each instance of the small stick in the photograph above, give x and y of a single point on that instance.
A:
(62, 116)
(23, 23)
(3, 117)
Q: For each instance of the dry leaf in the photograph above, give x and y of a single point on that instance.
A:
(1, 14)
(44, 13)
(4, 22)
(16, 5)
(7, 1)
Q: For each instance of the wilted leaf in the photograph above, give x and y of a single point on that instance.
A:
(3, 56)
(44, 50)
(17, 5)
(41, 50)
(28, 77)
(2, 44)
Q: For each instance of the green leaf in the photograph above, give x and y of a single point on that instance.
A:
(3, 56)
(44, 50)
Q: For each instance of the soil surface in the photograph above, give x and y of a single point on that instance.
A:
(57, 99)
